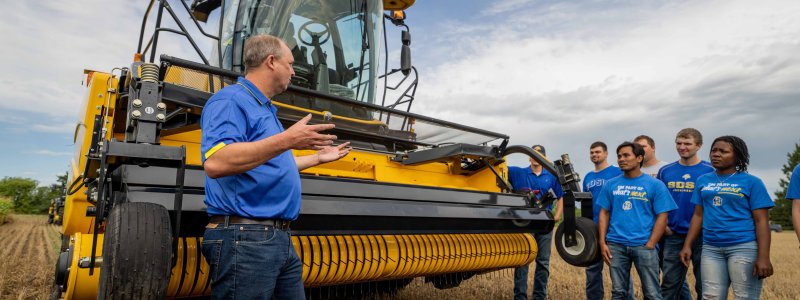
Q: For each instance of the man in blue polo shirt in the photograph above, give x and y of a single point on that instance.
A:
(253, 181)
(793, 193)
(593, 182)
(680, 178)
(633, 217)
(539, 182)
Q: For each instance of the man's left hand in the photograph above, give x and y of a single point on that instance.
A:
(331, 153)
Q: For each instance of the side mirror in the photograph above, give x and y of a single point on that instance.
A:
(405, 53)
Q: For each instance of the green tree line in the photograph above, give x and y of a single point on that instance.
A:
(27, 197)
(782, 212)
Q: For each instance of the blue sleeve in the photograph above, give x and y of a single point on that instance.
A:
(513, 173)
(604, 198)
(794, 185)
(759, 197)
(583, 184)
(662, 200)
(696, 197)
(660, 174)
(222, 123)
(557, 188)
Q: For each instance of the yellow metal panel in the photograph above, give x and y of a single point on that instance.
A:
(397, 4)
(204, 277)
(316, 261)
(305, 245)
(352, 265)
(392, 254)
(174, 283)
(325, 259)
(87, 289)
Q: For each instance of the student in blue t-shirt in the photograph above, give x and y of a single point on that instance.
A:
(794, 194)
(538, 181)
(633, 217)
(732, 210)
(593, 182)
(680, 178)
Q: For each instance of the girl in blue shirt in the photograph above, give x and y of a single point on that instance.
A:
(732, 210)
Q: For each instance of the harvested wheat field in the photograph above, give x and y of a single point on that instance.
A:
(29, 245)
(28, 249)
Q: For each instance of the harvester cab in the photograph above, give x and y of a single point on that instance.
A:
(417, 197)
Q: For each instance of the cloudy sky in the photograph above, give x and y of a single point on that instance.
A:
(562, 74)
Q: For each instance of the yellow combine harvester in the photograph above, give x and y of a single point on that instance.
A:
(417, 197)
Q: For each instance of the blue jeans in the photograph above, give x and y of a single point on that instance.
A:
(730, 266)
(250, 261)
(540, 276)
(673, 282)
(594, 283)
(646, 262)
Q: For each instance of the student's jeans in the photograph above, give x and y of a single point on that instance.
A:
(594, 282)
(251, 261)
(673, 282)
(730, 266)
(646, 262)
(540, 276)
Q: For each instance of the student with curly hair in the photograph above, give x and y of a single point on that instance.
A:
(732, 211)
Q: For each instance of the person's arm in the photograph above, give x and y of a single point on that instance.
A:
(602, 223)
(658, 230)
(796, 217)
(237, 158)
(559, 209)
(695, 226)
(763, 267)
(328, 154)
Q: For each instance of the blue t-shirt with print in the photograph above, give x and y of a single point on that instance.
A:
(680, 181)
(728, 203)
(634, 204)
(594, 181)
(794, 185)
(241, 113)
(524, 178)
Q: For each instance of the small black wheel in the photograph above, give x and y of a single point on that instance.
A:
(586, 251)
(137, 250)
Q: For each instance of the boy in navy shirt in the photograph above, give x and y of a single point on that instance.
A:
(633, 217)
(680, 178)
(540, 182)
(593, 182)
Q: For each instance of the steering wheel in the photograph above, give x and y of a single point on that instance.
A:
(319, 36)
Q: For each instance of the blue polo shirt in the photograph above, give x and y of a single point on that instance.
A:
(524, 178)
(241, 113)
(728, 203)
(634, 204)
(594, 181)
(794, 185)
(680, 181)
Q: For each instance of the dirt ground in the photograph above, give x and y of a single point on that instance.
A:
(28, 247)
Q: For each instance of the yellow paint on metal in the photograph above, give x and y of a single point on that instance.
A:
(397, 4)
(87, 289)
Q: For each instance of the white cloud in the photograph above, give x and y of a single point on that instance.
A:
(51, 153)
(567, 74)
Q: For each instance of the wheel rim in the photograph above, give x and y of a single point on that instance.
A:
(580, 244)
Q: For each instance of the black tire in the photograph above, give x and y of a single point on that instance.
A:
(136, 252)
(587, 250)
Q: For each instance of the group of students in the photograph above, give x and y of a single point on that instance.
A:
(662, 218)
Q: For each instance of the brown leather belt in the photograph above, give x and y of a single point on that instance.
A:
(227, 220)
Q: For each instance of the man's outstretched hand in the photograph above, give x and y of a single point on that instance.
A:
(332, 153)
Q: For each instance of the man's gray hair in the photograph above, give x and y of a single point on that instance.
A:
(258, 48)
